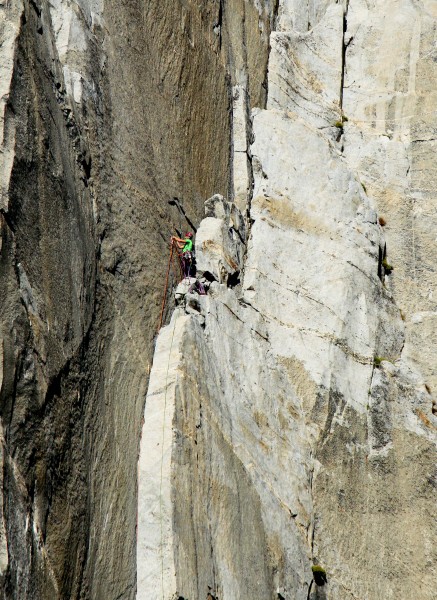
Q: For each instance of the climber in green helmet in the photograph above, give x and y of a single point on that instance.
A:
(186, 256)
(186, 244)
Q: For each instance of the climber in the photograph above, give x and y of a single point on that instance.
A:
(186, 256)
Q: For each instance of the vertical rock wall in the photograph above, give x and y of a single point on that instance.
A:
(109, 111)
(299, 425)
(389, 140)
(303, 427)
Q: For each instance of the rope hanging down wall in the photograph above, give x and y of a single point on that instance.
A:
(177, 269)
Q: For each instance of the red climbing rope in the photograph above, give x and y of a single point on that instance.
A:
(166, 286)
(173, 256)
(179, 263)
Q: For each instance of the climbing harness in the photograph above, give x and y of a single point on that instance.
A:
(186, 259)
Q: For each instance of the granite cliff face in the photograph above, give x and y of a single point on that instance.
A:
(289, 416)
(97, 137)
(295, 407)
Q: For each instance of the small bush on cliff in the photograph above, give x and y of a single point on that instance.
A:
(387, 268)
(319, 575)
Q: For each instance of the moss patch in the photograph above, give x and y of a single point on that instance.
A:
(319, 575)
(318, 569)
(387, 267)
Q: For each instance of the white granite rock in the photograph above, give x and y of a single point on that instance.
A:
(182, 289)
(155, 566)
(390, 142)
(10, 14)
(306, 70)
(240, 141)
(299, 408)
(220, 239)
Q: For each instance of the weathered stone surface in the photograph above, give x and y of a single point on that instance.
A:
(182, 289)
(304, 392)
(9, 29)
(156, 572)
(300, 424)
(305, 70)
(220, 240)
(102, 124)
(390, 140)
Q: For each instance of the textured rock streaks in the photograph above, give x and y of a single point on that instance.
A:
(102, 124)
(289, 417)
(304, 388)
